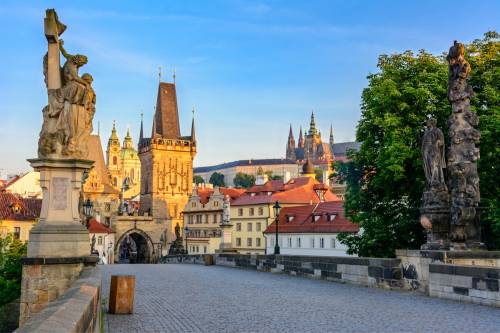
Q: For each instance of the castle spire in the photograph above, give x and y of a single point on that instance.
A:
(290, 146)
(193, 137)
(312, 126)
(331, 135)
(290, 134)
(141, 133)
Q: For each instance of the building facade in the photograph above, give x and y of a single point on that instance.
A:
(203, 215)
(103, 239)
(18, 215)
(278, 167)
(253, 211)
(27, 185)
(310, 230)
(123, 163)
(166, 164)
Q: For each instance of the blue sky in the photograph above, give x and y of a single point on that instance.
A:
(249, 68)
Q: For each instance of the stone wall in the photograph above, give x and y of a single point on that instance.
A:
(373, 272)
(472, 284)
(77, 310)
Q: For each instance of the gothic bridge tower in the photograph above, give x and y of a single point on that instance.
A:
(166, 163)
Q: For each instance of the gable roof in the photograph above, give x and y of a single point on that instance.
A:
(29, 207)
(96, 154)
(205, 193)
(295, 191)
(303, 221)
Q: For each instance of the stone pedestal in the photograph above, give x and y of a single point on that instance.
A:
(58, 246)
(226, 237)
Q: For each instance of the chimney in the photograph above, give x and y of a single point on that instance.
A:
(286, 177)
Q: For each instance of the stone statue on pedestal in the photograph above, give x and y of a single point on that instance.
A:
(462, 153)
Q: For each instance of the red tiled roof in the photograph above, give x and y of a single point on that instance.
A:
(205, 193)
(302, 221)
(296, 191)
(29, 208)
(98, 228)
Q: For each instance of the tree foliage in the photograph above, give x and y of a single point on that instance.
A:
(217, 179)
(243, 180)
(385, 179)
(11, 251)
(197, 179)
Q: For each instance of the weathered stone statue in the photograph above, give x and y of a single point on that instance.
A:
(176, 247)
(435, 199)
(462, 153)
(67, 119)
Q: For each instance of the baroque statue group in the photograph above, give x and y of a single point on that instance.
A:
(450, 201)
(67, 119)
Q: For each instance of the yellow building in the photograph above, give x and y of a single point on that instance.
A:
(18, 215)
(166, 164)
(253, 211)
(123, 163)
(203, 216)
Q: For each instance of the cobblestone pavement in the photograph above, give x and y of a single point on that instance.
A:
(195, 298)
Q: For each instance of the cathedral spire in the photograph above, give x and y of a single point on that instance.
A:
(312, 126)
(141, 133)
(301, 138)
(290, 134)
(290, 146)
(193, 137)
(331, 135)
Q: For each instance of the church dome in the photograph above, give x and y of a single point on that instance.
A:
(308, 167)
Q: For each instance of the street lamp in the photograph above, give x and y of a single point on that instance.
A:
(277, 208)
(186, 230)
(87, 210)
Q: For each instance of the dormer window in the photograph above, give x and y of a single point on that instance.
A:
(331, 217)
(269, 193)
(252, 194)
(16, 208)
(193, 204)
(216, 203)
(289, 218)
(316, 218)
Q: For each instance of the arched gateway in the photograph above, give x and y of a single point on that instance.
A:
(134, 247)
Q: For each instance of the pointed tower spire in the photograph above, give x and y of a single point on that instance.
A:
(301, 138)
(312, 126)
(153, 132)
(159, 73)
(141, 132)
(174, 75)
(290, 146)
(331, 135)
(290, 134)
(193, 136)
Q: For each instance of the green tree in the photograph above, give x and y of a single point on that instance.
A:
(270, 175)
(385, 178)
(243, 180)
(217, 179)
(11, 251)
(197, 179)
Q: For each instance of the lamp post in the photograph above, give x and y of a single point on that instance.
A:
(277, 208)
(87, 210)
(186, 230)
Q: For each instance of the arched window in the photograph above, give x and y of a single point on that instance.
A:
(115, 181)
(132, 174)
(115, 160)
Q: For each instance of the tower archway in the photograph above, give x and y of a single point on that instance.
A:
(134, 247)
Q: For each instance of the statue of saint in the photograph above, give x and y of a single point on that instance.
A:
(433, 155)
(177, 232)
(67, 119)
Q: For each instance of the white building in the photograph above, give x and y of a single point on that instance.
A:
(104, 238)
(310, 230)
(27, 185)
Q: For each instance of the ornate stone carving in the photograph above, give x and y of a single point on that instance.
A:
(67, 119)
(462, 153)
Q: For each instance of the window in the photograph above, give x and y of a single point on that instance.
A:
(132, 174)
(298, 242)
(215, 218)
(115, 161)
(257, 241)
(216, 203)
(312, 243)
(258, 226)
(322, 243)
(193, 204)
(331, 217)
(204, 249)
(238, 241)
(316, 218)
(240, 211)
(238, 226)
(107, 220)
(332, 243)
(261, 211)
(206, 218)
(249, 227)
(289, 218)
(251, 211)
(99, 240)
(289, 241)
(197, 249)
(271, 241)
(17, 233)
(198, 219)
(249, 242)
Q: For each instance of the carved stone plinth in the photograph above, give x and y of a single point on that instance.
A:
(438, 232)
(60, 232)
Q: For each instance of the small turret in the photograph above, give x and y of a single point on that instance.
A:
(193, 135)
(331, 135)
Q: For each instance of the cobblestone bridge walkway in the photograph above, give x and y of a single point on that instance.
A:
(195, 298)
